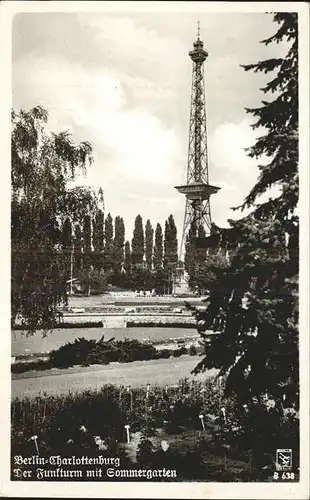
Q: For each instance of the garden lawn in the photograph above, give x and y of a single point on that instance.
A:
(159, 372)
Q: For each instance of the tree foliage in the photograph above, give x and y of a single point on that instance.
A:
(78, 246)
(200, 263)
(195, 258)
(119, 240)
(87, 249)
(137, 243)
(149, 235)
(98, 239)
(141, 278)
(127, 261)
(253, 303)
(108, 243)
(93, 281)
(87, 241)
(67, 237)
(158, 248)
(67, 246)
(43, 164)
(170, 242)
(82, 200)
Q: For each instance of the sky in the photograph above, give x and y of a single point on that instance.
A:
(122, 82)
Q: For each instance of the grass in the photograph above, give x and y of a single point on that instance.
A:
(138, 373)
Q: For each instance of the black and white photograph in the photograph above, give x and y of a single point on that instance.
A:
(159, 243)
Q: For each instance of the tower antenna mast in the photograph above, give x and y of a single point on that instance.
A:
(197, 190)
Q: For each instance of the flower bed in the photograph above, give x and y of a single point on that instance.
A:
(209, 437)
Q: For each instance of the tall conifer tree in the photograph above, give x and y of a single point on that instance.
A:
(254, 302)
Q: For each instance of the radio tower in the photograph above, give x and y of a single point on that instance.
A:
(197, 190)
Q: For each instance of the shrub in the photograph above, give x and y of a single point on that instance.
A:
(164, 353)
(32, 365)
(179, 352)
(72, 353)
(98, 357)
(133, 350)
(193, 350)
(83, 351)
(145, 453)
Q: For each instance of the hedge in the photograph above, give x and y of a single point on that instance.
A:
(85, 352)
(80, 324)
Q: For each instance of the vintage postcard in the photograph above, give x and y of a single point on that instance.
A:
(155, 257)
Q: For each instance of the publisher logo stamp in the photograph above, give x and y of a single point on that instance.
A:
(284, 459)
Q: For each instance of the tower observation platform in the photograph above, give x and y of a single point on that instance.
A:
(197, 189)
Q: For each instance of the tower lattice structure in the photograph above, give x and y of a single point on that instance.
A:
(197, 190)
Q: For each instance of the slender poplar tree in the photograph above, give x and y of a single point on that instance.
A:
(87, 250)
(127, 261)
(137, 243)
(119, 241)
(149, 236)
(170, 242)
(158, 248)
(108, 243)
(98, 239)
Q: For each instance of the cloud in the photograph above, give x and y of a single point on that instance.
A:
(134, 47)
(123, 83)
(230, 167)
(233, 170)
